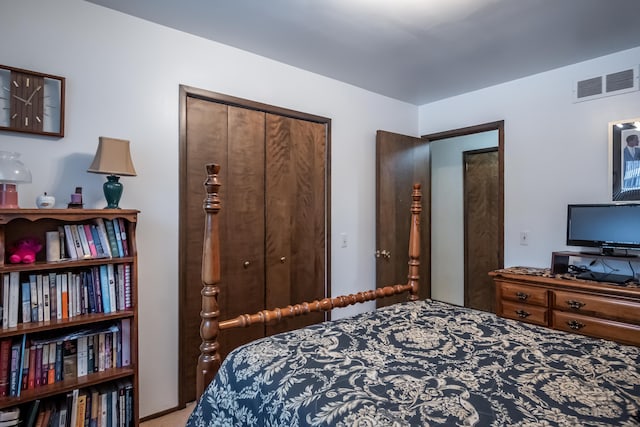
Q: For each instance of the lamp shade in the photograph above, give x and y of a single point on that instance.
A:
(12, 170)
(112, 158)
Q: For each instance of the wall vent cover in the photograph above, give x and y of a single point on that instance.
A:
(606, 85)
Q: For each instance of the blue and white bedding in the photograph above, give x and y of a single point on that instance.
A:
(425, 363)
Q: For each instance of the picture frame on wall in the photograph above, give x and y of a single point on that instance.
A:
(624, 159)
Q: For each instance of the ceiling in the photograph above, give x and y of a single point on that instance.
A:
(416, 51)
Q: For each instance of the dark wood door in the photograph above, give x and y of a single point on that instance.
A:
(273, 222)
(295, 216)
(401, 161)
(481, 227)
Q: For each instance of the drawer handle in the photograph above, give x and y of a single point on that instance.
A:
(523, 314)
(522, 296)
(575, 325)
(575, 304)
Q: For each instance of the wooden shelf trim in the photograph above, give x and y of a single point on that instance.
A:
(65, 264)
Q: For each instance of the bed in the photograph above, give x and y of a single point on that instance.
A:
(413, 363)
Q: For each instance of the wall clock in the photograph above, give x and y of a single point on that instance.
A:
(31, 102)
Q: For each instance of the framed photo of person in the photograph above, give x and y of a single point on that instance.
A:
(624, 153)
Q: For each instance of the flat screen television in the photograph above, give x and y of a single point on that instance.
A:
(604, 226)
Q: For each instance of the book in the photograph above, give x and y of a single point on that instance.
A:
(90, 242)
(34, 297)
(123, 236)
(5, 354)
(31, 376)
(64, 296)
(104, 289)
(96, 240)
(125, 338)
(70, 242)
(26, 302)
(81, 407)
(127, 286)
(116, 231)
(63, 240)
(38, 365)
(95, 408)
(104, 410)
(44, 377)
(70, 359)
(95, 275)
(79, 229)
(101, 351)
(46, 298)
(113, 298)
(87, 278)
(111, 235)
(14, 298)
(32, 413)
(82, 356)
(120, 285)
(40, 297)
(12, 414)
(53, 296)
(59, 296)
(72, 405)
(5, 300)
(51, 372)
(59, 366)
(102, 234)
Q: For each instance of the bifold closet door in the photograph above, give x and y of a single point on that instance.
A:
(295, 216)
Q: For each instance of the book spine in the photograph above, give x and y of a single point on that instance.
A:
(38, 365)
(82, 356)
(59, 296)
(111, 234)
(5, 300)
(64, 297)
(63, 240)
(125, 338)
(26, 361)
(51, 373)
(90, 243)
(104, 289)
(40, 297)
(113, 299)
(95, 274)
(13, 370)
(26, 302)
(5, 361)
(46, 297)
(71, 244)
(127, 286)
(120, 285)
(34, 297)
(116, 231)
(96, 241)
(123, 236)
(45, 364)
(59, 367)
(53, 295)
(84, 244)
(104, 239)
(14, 298)
(31, 377)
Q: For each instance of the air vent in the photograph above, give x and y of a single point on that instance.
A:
(607, 85)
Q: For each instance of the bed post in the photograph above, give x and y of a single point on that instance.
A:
(209, 359)
(414, 243)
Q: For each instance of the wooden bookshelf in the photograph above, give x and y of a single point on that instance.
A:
(20, 223)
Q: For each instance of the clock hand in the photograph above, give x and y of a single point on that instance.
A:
(22, 99)
(34, 92)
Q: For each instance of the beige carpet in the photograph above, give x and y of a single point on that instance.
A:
(174, 419)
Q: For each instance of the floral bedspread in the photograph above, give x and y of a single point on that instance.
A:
(425, 363)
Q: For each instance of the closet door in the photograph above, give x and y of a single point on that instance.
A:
(295, 216)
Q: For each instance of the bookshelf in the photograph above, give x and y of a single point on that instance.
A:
(103, 369)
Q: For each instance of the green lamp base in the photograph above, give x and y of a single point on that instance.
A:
(112, 191)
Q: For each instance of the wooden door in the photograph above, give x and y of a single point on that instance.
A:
(401, 161)
(295, 216)
(481, 227)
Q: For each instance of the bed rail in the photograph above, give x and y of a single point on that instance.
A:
(209, 359)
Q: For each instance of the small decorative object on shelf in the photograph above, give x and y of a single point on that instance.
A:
(44, 201)
(25, 250)
(12, 172)
(76, 199)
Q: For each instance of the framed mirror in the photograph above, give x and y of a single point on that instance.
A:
(624, 160)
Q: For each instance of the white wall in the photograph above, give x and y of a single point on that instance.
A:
(556, 151)
(447, 213)
(123, 75)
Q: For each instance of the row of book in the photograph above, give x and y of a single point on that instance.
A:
(41, 297)
(106, 406)
(104, 238)
(27, 363)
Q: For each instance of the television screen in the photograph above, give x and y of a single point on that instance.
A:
(604, 226)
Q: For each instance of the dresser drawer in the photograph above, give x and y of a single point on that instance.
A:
(601, 328)
(599, 306)
(523, 293)
(525, 313)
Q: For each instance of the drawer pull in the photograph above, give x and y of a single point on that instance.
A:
(523, 314)
(575, 304)
(522, 296)
(575, 325)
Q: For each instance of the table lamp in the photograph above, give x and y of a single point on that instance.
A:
(12, 172)
(112, 159)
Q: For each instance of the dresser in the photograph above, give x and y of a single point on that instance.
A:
(585, 307)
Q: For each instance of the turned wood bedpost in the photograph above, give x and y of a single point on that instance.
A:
(209, 359)
(414, 243)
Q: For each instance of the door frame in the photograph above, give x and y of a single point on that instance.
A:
(470, 130)
(186, 92)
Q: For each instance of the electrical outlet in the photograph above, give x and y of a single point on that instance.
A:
(343, 240)
(524, 238)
